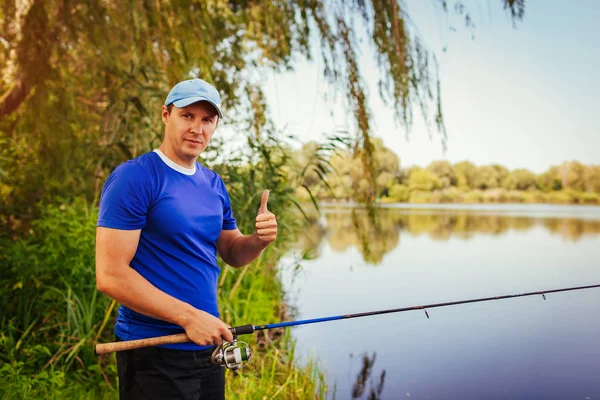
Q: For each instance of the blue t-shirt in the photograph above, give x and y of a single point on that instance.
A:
(181, 213)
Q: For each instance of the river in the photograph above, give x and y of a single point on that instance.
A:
(519, 348)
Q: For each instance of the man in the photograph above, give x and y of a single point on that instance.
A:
(163, 218)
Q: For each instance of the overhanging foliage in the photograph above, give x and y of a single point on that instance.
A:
(81, 82)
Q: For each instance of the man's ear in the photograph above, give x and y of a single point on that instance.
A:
(165, 114)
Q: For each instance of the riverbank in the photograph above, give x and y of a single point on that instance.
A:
(453, 195)
(490, 196)
(53, 315)
(253, 295)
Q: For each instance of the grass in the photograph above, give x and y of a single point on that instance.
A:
(253, 296)
(52, 315)
(273, 373)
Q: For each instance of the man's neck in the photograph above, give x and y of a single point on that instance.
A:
(171, 155)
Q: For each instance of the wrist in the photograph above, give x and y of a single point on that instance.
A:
(184, 315)
(261, 244)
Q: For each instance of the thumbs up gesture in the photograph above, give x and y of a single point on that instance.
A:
(266, 223)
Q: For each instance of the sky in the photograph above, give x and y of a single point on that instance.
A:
(523, 97)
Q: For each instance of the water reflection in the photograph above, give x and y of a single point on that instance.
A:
(376, 235)
(518, 348)
(363, 380)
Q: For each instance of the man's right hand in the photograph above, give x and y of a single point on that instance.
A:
(205, 329)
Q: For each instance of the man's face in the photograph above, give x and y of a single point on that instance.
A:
(188, 130)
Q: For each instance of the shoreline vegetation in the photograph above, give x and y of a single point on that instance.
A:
(496, 195)
(491, 196)
(57, 316)
(53, 314)
(338, 176)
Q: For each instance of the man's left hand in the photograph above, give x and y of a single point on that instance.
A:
(266, 223)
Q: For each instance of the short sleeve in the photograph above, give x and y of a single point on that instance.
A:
(229, 222)
(125, 198)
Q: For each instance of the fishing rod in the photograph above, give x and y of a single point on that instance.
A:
(236, 354)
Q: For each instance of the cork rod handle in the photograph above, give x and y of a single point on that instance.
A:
(103, 348)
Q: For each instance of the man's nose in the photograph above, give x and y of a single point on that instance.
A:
(197, 127)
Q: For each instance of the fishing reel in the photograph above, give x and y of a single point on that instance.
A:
(233, 355)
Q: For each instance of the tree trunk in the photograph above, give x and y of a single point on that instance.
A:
(32, 54)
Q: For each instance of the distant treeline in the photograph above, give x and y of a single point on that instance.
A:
(340, 177)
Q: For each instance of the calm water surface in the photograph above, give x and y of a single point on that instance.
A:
(523, 348)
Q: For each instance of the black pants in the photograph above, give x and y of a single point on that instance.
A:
(158, 373)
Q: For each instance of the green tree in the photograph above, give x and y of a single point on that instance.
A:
(445, 173)
(520, 179)
(501, 172)
(571, 175)
(387, 166)
(399, 193)
(423, 180)
(550, 180)
(486, 177)
(348, 180)
(302, 163)
(465, 174)
(340, 179)
(591, 178)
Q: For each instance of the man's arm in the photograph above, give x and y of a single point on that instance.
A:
(237, 249)
(115, 249)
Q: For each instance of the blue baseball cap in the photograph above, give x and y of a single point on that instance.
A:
(193, 90)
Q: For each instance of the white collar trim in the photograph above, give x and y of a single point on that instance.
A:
(172, 165)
